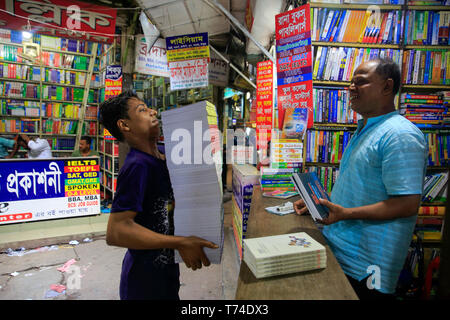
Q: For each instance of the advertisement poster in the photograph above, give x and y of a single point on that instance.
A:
(60, 18)
(152, 60)
(113, 87)
(32, 190)
(294, 71)
(264, 102)
(188, 59)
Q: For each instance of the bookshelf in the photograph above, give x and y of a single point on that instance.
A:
(53, 93)
(414, 43)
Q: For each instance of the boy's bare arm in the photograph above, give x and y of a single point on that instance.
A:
(122, 231)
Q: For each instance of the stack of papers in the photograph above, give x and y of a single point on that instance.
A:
(194, 159)
(283, 254)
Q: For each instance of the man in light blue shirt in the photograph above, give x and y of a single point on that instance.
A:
(375, 199)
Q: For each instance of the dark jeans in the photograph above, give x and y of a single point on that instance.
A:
(141, 280)
(364, 293)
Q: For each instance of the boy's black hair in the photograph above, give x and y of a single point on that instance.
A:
(114, 109)
(87, 139)
(389, 69)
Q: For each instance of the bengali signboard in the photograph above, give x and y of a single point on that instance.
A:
(152, 60)
(60, 18)
(32, 190)
(294, 71)
(264, 102)
(188, 58)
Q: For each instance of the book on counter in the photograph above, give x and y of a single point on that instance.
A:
(311, 190)
(283, 254)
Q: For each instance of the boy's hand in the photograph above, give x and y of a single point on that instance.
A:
(300, 207)
(191, 251)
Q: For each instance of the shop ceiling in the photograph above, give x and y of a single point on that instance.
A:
(177, 17)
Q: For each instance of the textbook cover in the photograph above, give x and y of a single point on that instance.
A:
(311, 190)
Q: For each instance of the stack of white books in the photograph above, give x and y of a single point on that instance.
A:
(194, 159)
(283, 254)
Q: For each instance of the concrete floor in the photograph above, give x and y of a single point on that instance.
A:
(96, 272)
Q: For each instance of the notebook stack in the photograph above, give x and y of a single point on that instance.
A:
(283, 254)
(194, 160)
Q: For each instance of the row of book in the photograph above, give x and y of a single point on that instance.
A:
(20, 108)
(57, 76)
(63, 143)
(327, 176)
(356, 26)
(285, 153)
(17, 126)
(326, 146)
(427, 27)
(112, 164)
(65, 110)
(19, 90)
(333, 106)
(435, 187)
(49, 92)
(110, 147)
(277, 179)
(54, 110)
(338, 64)
(438, 148)
(426, 67)
(108, 180)
(67, 127)
(428, 111)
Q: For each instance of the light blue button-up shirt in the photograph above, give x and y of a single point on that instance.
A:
(386, 157)
(4, 145)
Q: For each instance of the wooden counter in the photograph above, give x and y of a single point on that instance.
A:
(324, 284)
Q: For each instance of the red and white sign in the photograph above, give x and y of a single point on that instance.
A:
(61, 18)
(294, 62)
(264, 102)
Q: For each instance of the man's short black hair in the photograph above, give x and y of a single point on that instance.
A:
(87, 139)
(114, 109)
(389, 69)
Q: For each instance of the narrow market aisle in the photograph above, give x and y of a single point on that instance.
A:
(91, 271)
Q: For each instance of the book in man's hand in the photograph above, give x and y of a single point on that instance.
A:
(311, 190)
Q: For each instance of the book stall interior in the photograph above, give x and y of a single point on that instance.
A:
(52, 85)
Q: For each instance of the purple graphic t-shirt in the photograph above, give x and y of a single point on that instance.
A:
(143, 186)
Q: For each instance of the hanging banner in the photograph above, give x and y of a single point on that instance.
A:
(294, 71)
(33, 190)
(113, 87)
(152, 60)
(264, 102)
(188, 58)
(218, 70)
(113, 81)
(60, 18)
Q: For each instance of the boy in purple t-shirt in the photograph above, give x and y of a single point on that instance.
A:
(141, 216)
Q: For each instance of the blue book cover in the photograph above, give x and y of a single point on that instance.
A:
(338, 29)
(429, 28)
(335, 103)
(323, 20)
(334, 24)
(324, 146)
(344, 60)
(330, 106)
(427, 66)
(311, 190)
(435, 28)
(410, 67)
(322, 62)
(320, 106)
(407, 21)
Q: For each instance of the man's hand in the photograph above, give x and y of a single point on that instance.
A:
(191, 251)
(300, 207)
(336, 212)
